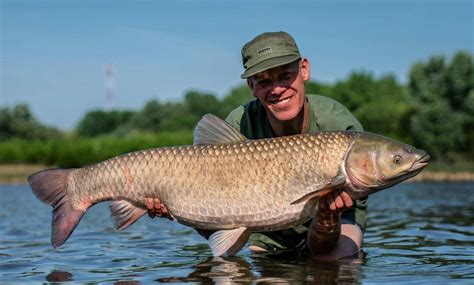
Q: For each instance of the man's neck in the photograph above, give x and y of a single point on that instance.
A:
(292, 127)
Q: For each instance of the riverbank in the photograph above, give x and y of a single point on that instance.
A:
(17, 173)
(443, 176)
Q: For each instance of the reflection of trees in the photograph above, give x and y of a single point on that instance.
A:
(59, 276)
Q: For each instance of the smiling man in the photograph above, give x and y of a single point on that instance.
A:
(276, 72)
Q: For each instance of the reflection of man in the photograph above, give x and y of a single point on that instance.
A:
(276, 73)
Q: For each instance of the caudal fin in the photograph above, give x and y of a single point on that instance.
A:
(50, 187)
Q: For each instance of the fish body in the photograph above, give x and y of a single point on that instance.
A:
(225, 182)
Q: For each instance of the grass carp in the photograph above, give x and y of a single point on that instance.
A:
(227, 183)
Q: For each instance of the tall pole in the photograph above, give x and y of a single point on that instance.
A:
(109, 103)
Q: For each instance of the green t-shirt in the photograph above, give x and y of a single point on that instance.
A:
(325, 114)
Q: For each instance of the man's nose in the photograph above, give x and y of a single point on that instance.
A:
(278, 88)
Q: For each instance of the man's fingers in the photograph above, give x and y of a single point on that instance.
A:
(149, 203)
(347, 199)
(156, 208)
(330, 200)
(338, 200)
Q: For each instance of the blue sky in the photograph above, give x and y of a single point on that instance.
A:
(53, 53)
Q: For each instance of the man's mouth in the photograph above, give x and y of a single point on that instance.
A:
(277, 102)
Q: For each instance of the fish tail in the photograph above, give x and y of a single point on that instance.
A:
(51, 187)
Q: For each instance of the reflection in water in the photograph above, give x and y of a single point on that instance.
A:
(59, 276)
(271, 268)
(416, 233)
(218, 270)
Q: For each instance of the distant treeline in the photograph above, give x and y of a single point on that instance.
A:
(434, 111)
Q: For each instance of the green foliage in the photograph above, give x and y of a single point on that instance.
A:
(199, 104)
(381, 105)
(19, 122)
(434, 111)
(443, 97)
(75, 152)
(99, 122)
(236, 97)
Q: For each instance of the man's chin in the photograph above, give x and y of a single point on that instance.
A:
(284, 115)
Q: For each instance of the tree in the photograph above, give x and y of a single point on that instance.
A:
(199, 104)
(19, 122)
(237, 96)
(99, 122)
(444, 119)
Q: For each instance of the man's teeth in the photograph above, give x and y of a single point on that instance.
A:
(280, 101)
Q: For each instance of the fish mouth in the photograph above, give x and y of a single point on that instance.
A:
(419, 164)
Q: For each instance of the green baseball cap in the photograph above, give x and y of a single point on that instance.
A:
(268, 50)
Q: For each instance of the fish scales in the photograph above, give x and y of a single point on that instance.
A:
(227, 183)
(247, 184)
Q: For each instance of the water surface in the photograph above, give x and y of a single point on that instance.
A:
(417, 233)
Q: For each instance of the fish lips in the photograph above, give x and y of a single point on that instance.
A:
(419, 164)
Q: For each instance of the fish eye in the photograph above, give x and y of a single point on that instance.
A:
(397, 159)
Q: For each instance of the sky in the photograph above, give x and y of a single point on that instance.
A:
(53, 54)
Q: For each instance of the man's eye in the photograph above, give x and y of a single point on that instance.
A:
(287, 76)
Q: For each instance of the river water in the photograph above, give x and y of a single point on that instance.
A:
(417, 234)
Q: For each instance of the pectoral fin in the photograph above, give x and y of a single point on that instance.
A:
(228, 241)
(337, 182)
(125, 213)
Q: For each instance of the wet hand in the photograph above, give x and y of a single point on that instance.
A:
(336, 201)
(157, 209)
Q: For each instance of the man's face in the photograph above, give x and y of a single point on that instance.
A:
(281, 89)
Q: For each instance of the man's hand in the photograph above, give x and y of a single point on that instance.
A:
(327, 237)
(156, 209)
(336, 201)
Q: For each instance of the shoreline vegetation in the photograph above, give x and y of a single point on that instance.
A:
(433, 111)
(17, 173)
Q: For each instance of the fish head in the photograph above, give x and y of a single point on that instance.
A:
(375, 162)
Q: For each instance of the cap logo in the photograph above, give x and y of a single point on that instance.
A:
(265, 51)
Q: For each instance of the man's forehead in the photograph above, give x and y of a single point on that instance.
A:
(290, 67)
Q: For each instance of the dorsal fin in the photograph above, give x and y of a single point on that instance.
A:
(213, 130)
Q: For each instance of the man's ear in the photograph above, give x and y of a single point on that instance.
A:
(250, 85)
(305, 69)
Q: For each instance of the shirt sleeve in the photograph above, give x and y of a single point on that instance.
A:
(332, 115)
(235, 116)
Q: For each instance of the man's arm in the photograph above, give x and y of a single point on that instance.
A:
(329, 237)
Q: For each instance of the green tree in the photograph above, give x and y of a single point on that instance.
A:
(355, 91)
(149, 118)
(199, 104)
(313, 87)
(444, 119)
(380, 104)
(19, 122)
(237, 96)
(99, 122)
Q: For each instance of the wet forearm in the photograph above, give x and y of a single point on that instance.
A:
(324, 231)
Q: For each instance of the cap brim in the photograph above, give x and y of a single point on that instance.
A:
(269, 63)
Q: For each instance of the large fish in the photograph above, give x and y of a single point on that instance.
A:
(227, 183)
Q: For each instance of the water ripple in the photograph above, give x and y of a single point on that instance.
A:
(417, 233)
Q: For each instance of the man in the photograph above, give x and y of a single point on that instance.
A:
(276, 73)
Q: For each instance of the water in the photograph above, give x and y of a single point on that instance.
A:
(417, 233)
